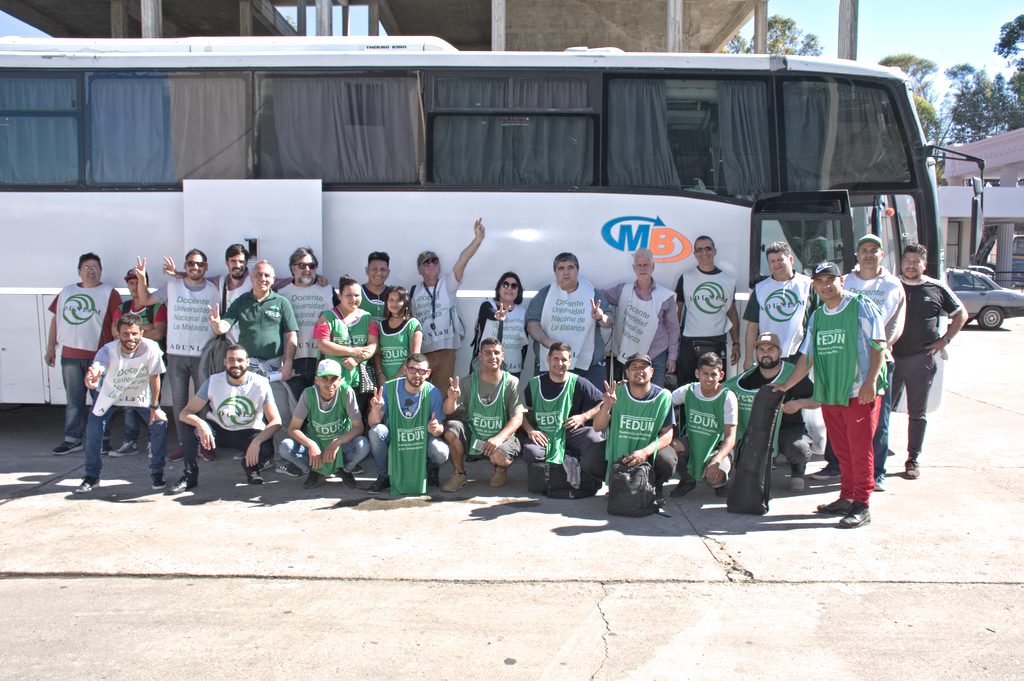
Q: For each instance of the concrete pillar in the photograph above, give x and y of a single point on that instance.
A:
(674, 26)
(373, 18)
(300, 17)
(245, 17)
(497, 25)
(324, 20)
(118, 18)
(1004, 254)
(152, 18)
(848, 29)
(691, 27)
(344, 18)
(761, 27)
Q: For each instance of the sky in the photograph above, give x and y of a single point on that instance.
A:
(947, 32)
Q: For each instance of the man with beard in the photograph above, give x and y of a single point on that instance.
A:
(242, 416)
(492, 415)
(779, 304)
(378, 267)
(309, 295)
(791, 438)
(125, 373)
(560, 405)
(639, 419)
(844, 344)
(406, 431)
(332, 442)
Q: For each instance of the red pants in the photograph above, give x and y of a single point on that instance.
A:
(851, 430)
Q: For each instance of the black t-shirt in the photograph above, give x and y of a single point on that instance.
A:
(926, 302)
(801, 391)
(584, 397)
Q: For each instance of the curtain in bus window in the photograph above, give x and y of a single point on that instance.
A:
(470, 93)
(743, 125)
(346, 130)
(639, 154)
(840, 135)
(560, 94)
(131, 141)
(38, 149)
(210, 127)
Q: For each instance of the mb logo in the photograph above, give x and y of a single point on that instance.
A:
(631, 232)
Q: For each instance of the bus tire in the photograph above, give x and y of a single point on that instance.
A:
(990, 318)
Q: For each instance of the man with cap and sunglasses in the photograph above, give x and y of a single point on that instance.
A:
(791, 438)
(845, 344)
(435, 306)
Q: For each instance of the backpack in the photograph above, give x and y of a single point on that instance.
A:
(630, 490)
(751, 485)
(550, 480)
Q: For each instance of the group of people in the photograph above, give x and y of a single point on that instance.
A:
(327, 377)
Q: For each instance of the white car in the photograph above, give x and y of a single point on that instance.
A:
(985, 300)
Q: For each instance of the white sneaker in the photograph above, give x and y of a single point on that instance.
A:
(126, 449)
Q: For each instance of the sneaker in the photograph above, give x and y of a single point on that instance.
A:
(837, 507)
(826, 473)
(183, 485)
(433, 476)
(207, 454)
(253, 477)
(858, 516)
(880, 483)
(722, 491)
(87, 485)
(289, 469)
(499, 477)
(456, 482)
(177, 455)
(913, 470)
(358, 470)
(796, 484)
(314, 479)
(382, 483)
(126, 449)
(684, 487)
(105, 447)
(66, 447)
(158, 481)
(347, 479)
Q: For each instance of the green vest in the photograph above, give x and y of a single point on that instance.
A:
(634, 424)
(323, 426)
(407, 451)
(549, 416)
(835, 353)
(377, 310)
(745, 398)
(353, 336)
(394, 347)
(705, 426)
(485, 421)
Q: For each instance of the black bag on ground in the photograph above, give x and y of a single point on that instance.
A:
(751, 485)
(550, 480)
(631, 490)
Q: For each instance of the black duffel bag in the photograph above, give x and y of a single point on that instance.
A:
(751, 486)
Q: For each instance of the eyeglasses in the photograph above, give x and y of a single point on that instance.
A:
(305, 265)
(431, 261)
(90, 268)
(704, 249)
(417, 371)
(509, 284)
(195, 263)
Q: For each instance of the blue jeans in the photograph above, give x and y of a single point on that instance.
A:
(73, 375)
(352, 453)
(380, 438)
(94, 435)
(596, 374)
(881, 441)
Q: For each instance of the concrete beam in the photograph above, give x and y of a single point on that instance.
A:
(152, 18)
(47, 22)
(245, 17)
(497, 25)
(263, 11)
(848, 29)
(372, 19)
(300, 17)
(691, 27)
(761, 27)
(674, 26)
(387, 18)
(118, 18)
(324, 18)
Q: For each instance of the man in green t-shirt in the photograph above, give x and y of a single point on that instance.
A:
(639, 418)
(493, 412)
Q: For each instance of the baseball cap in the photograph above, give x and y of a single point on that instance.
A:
(328, 367)
(870, 238)
(132, 274)
(768, 338)
(639, 357)
(425, 256)
(828, 268)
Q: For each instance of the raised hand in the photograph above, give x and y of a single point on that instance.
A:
(478, 229)
(501, 312)
(377, 401)
(214, 313)
(608, 398)
(595, 309)
(169, 268)
(140, 267)
(453, 388)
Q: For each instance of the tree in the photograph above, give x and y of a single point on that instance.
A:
(982, 106)
(783, 38)
(1011, 42)
(918, 69)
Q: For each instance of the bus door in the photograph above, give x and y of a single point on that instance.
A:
(818, 226)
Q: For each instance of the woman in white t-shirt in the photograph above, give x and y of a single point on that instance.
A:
(504, 318)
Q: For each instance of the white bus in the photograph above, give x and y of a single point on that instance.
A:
(152, 147)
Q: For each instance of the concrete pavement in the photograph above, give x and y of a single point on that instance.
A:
(234, 580)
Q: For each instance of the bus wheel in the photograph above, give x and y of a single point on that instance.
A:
(990, 318)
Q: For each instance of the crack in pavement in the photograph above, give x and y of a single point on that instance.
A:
(734, 571)
(974, 398)
(607, 629)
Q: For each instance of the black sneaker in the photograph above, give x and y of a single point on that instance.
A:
(722, 491)
(683, 488)
(158, 481)
(314, 479)
(66, 447)
(347, 478)
(105, 447)
(183, 485)
(382, 483)
(858, 516)
(433, 476)
(253, 477)
(87, 485)
(289, 469)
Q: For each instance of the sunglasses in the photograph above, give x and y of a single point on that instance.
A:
(430, 261)
(305, 265)
(195, 263)
(509, 284)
